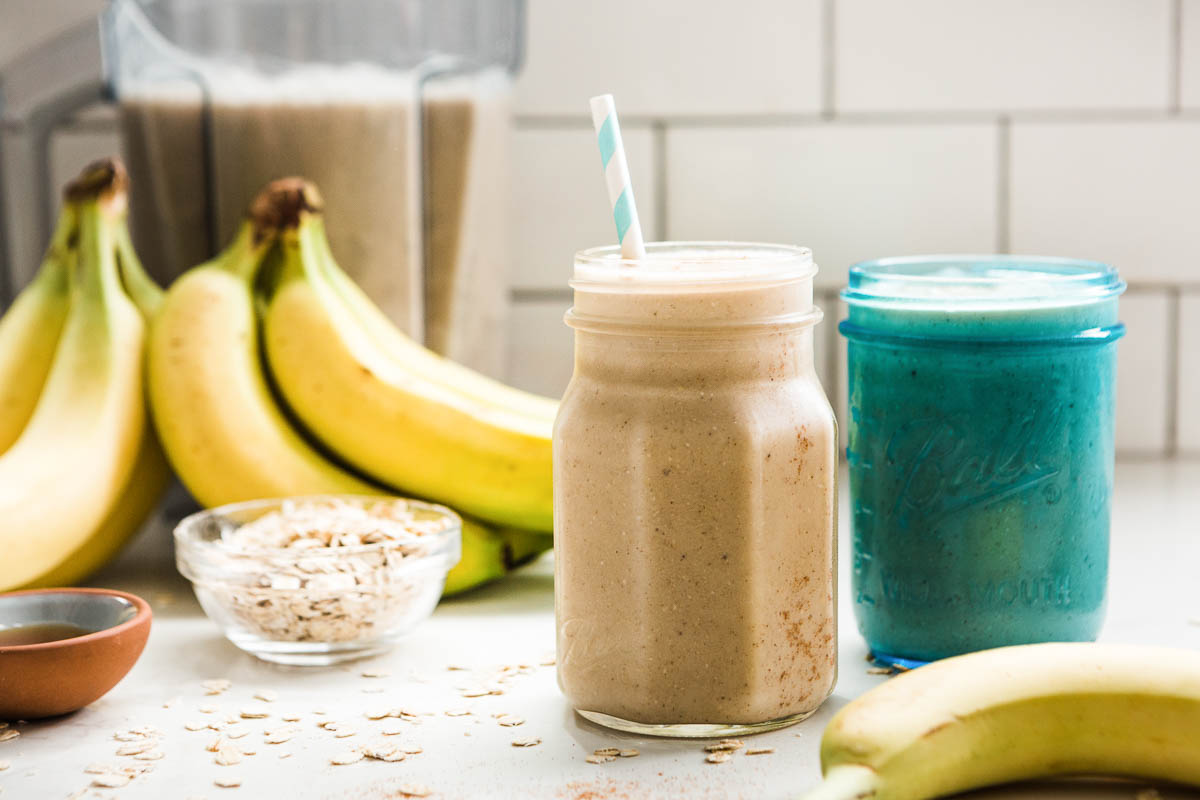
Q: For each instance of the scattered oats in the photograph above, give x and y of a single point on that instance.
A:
(280, 735)
(248, 750)
(111, 780)
(392, 729)
(879, 670)
(344, 733)
(266, 695)
(253, 713)
(384, 752)
(77, 795)
(375, 673)
(476, 692)
(214, 745)
(547, 662)
(136, 748)
(227, 783)
(348, 757)
(216, 685)
(607, 751)
(236, 731)
(319, 710)
(595, 759)
(207, 709)
(286, 754)
(4, 765)
(414, 790)
(149, 755)
(510, 721)
(174, 701)
(9, 734)
(725, 745)
(456, 668)
(290, 718)
(531, 741)
(496, 690)
(228, 754)
(759, 751)
(719, 757)
(413, 750)
(382, 713)
(629, 753)
(93, 769)
(458, 712)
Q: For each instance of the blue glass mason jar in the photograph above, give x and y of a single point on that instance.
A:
(981, 395)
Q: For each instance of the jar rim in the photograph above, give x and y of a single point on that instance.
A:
(680, 264)
(973, 281)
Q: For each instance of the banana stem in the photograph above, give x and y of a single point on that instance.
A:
(846, 782)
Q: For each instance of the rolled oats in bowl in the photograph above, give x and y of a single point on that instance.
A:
(317, 580)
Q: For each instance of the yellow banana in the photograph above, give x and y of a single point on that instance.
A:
(488, 553)
(67, 469)
(151, 474)
(30, 330)
(1017, 713)
(212, 406)
(408, 421)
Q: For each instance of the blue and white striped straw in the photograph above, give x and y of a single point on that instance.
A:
(616, 175)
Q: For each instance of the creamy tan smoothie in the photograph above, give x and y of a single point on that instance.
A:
(694, 479)
(428, 245)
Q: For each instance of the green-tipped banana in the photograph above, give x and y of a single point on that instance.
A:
(1017, 713)
(30, 330)
(400, 414)
(65, 473)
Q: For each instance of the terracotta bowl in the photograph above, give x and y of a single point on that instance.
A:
(42, 680)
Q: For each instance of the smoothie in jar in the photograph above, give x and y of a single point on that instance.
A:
(695, 505)
(981, 393)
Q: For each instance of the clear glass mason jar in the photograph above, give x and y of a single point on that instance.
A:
(981, 393)
(694, 493)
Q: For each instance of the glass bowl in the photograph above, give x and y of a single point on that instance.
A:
(316, 605)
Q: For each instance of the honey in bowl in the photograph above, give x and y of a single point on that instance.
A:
(40, 633)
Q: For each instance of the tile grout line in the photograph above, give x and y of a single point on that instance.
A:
(1003, 184)
(828, 58)
(1175, 59)
(1174, 301)
(658, 147)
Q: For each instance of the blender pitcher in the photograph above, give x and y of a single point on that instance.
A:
(399, 110)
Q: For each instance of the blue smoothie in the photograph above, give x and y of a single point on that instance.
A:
(981, 394)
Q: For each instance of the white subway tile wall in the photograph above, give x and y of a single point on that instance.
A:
(937, 55)
(848, 191)
(861, 128)
(1190, 54)
(1143, 374)
(1187, 391)
(673, 56)
(1124, 192)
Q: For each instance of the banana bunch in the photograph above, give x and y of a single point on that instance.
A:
(80, 467)
(376, 413)
(1017, 713)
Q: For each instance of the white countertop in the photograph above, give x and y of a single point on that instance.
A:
(1152, 599)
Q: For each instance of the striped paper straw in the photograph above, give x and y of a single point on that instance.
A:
(616, 175)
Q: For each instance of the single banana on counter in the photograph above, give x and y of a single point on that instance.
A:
(63, 476)
(213, 406)
(1016, 713)
(30, 330)
(392, 409)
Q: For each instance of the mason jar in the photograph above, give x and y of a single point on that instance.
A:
(981, 394)
(694, 493)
